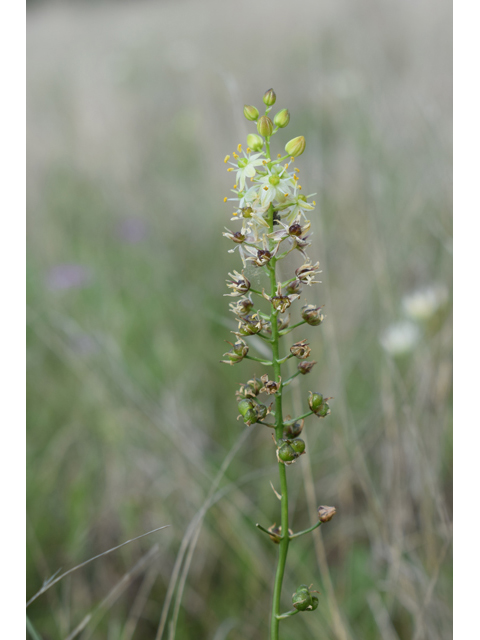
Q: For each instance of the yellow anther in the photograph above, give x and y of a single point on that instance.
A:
(314, 203)
(239, 148)
(235, 155)
(266, 188)
(227, 158)
(292, 159)
(235, 213)
(297, 170)
(234, 186)
(264, 162)
(295, 177)
(225, 199)
(286, 166)
(230, 169)
(279, 155)
(299, 187)
(286, 195)
(248, 149)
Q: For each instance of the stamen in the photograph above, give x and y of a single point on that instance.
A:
(234, 186)
(286, 195)
(230, 169)
(248, 149)
(239, 148)
(286, 166)
(225, 199)
(292, 159)
(235, 155)
(235, 213)
(299, 187)
(265, 188)
(313, 202)
(295, 177)
(297, 170)
(279, 155)
(227, 158)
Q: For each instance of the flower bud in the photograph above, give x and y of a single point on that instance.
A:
(306, 367)
(286, 454)
(318, 405)
(255, 142)
(312, 315)
(294, 287)
(250, 113)
(282, 118)
(293, 430)
(269, 97)
(325, 514)
(265, 126)
(295, 147)
(298, 446)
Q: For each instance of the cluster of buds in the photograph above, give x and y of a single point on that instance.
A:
(271, 211)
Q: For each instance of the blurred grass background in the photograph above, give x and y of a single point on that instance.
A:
(132, 107)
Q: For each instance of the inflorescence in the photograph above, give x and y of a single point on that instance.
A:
(272, 212)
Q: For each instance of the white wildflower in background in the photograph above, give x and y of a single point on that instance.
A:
(424, 303)
(400, 338)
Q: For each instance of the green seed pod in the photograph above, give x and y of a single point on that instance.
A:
(255, 142)
(314, 603)
(302, 600)
(323, 411)
(240, 348)
(250, 416)
(245, 405)
(315, 401)
(282, 118)
(293, 430)
(265, 126)
(298, 446)
(269, 97)
(295, 147)
(261, 411)
(312, 315)
(250, 112)
(286, 454)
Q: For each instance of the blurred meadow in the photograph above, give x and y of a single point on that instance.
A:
(132, 107)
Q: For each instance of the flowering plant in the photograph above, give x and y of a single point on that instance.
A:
(272, 212)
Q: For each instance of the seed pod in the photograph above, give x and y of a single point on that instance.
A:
(312, 314)
(300, 350)
(250, 416)
(254, 142)
(302, 599)
(295, 147)
(293, 430)
(275, 533)
(245, 405)
(294, 287)
(325, 514)
(265, 126)
(298, 446)
(306, 367)
(318, 404)
(250, 112)
(314, 603)
(261, 411)
(286, 454)
(269, 97)
(282, 118)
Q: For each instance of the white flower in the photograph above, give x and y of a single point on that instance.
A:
(298, 203)
(400, 338)
(277, 184)
(424, 303)
(246, 167)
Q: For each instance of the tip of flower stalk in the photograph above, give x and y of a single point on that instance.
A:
(269, 97)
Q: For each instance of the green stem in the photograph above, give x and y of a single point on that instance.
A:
(289, 614)
(301, 533)
(285, 331)
(305, 415)
(284, 542)
(265, 362)
(287, 382)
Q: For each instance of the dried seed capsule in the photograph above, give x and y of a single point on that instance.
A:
(294, 287)
(312, 314)
(250, 112)
(275, 533)
(300, 350)
(261, 411)
(298, 445)
(269, 97)
(325, 514)
(306, 367)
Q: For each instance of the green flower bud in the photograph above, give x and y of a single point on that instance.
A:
(282, 118)
(293, 430)
(250, 112)
(298, 446)
(244, 406)
(295, 147)
(255, 142)
(265, 126)
(269, 97)
(312, 315)
(286, 454)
